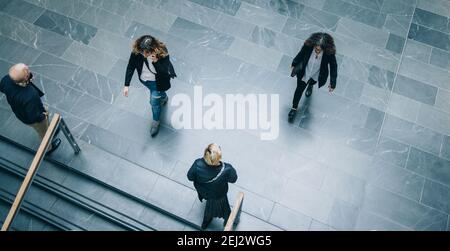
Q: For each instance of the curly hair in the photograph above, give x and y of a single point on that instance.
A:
(324, 40)
(150, 44)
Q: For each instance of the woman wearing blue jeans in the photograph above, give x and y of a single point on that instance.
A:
(155, 75)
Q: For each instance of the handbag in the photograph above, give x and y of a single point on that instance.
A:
(218, 175)
(297, 69)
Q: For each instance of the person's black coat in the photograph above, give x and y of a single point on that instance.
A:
(327, 60)
(200, 172)
(164, 70)
(25, 101)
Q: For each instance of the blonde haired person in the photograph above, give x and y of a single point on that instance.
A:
(211, 177)
(25, 101)
(155, 75)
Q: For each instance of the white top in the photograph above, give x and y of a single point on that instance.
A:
(146, 74)
(313, 67)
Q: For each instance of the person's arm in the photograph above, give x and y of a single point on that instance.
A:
(192, 172)
(232, 176)
(172, 73)
(333, 72)
(299, 56)
(129, 73)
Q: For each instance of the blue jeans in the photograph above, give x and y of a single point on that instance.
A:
(155, 99)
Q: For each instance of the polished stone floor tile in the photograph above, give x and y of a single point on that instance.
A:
(23, 10)
(395, 43)
(429, 165)
(436, 195)
(415, 90)
(429, 36)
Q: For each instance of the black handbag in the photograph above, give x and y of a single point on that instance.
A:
(297, 69)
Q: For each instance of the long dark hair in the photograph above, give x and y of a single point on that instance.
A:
(150, 44)
(324, 40)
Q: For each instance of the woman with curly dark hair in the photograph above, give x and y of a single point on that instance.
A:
(155, 75)
(311, 66)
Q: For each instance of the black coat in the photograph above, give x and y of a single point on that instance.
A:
(25, 101)
(327, 60)
(164, 70)
(200, 172)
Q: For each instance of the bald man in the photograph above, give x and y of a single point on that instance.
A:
(25, 101)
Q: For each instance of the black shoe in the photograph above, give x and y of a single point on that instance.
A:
(154, 129)
(55, 144)
(309, 91)
(291, 115)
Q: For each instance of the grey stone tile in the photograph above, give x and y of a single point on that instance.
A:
(260, 56)
(363, 32)
(434, 119)
(285, 65)
(412, 134)
(122, 203)
(363, 140)
(53, 67)
(119, 7)
(288, 8)
(399, 8)
(440, 7)
(319, 18)
(373, 5)
(397, 24)
(429, 165)
(353, 50)
(103, 19)
(191, 11)
(418, 51)
(384, 59)
(403, 107)
(66, 26)
(23, 10)
(392, 151)
(346, 187)
(429, 36)
(253, 204)
(275, 40)
(445, 151)
(416, 90)
(375, 97)
(250, 223)
(368, 221)
(261, 17)
(228, 7)
(397, 180)
(97, 223)
(74, 8)
(425, 73)
(319, 226)
(395, 43)
(353, 89)
(359, 14)
(89, 58)
(3, 4)
(84, 186)
(374, 120)
(40, 198)
(159, 221)
(14, 52)
(117, 72)
(93, 110)
(403, 211)
(431, 20)
(289, 219)
(70, 212)
(343, 216)
(436, 196)
(234, 26)
(201, 35)
(95, 85)
(440, 58)
(112, 44)
(158, 19)
(318, 4)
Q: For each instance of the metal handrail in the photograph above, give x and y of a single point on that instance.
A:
(234, 217)
(37, 160)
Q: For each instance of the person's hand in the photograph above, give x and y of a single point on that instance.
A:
(125, 91)
(330, 89)
(153, 58)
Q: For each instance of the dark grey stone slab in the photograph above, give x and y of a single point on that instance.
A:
(403, 211)
(429, 166)
(440, 58)
(15, 52)
(431, 20)
(381, 78)
(201, 35)
(66, 26)
(412, 134)
(435, 119)
(101, 18)
(122, 203)
(191, 11)
(429, 36)
(93, 110)
(97, 223)
(53, 67)
(159, 221)
(395, 43)
(369, 4)
(74, 8)
(415, 90)
(228, 7)
(436, 195)
(374, 120)
(396, 179)
(288, 8)
(4, 3)
(289, 219)
(355, 12)
(445, 151)
(119, 7)
(399, 8)
(392, 151)
(234, 26)
(417, 50)
(72, 213)
(23, 10)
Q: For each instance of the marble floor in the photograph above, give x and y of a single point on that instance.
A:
(374, 155)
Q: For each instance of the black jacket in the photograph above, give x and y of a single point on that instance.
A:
(327, 59)
(25, 101)
(201, 172)
(164, 70)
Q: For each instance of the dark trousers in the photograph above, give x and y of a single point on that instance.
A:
(301, 86)
(207, 219)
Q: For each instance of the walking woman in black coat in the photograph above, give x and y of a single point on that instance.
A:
(155, 75)
(211, 177)
(311, 66)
